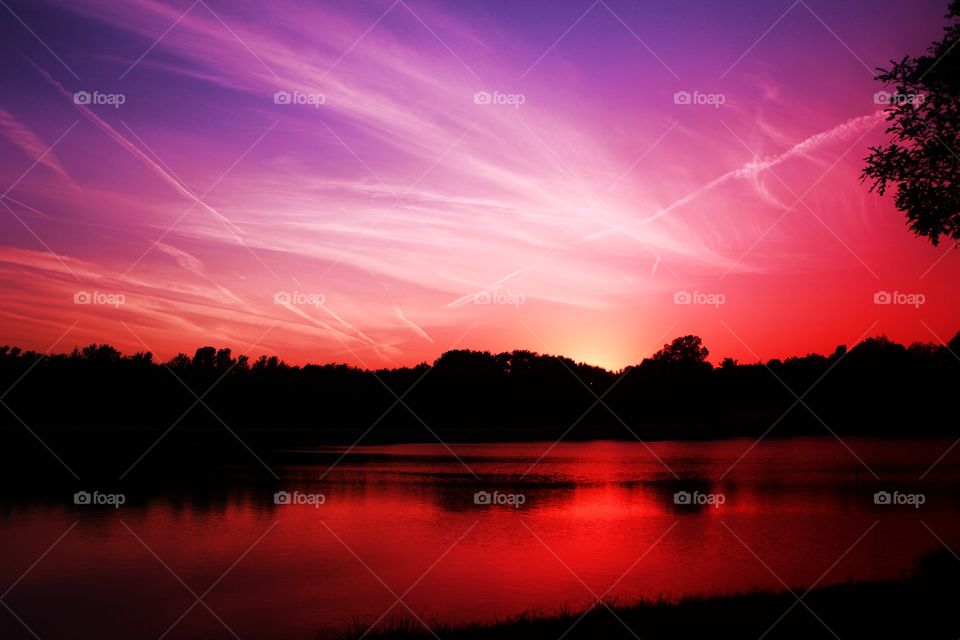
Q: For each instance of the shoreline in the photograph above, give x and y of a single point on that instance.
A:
(919, 605)
(220, 455)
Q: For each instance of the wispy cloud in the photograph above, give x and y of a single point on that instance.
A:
(135, 151)
(32, 146)
(402, 199)
(754, 168)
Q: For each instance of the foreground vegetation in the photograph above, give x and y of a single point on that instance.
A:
(922, 605)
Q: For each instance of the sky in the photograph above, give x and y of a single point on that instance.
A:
(378, 182)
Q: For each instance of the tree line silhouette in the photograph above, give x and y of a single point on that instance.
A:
(877, 387)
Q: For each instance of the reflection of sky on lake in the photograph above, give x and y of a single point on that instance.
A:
(798, 504)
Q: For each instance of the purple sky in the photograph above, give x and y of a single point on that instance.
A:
(490, 175)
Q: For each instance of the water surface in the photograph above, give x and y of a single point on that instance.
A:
(598, 519)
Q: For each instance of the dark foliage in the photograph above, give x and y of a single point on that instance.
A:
(921, 161)
(877, 387)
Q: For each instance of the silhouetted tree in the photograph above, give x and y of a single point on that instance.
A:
(101, 353)
(179, 361)
(954, 345)
(839, 352)
(878, 351)
(685, 350)
(223, 360)
(877, 387)
(204, 357)
(142, 358)
(921, 161)
(473, 363)
(264, 363)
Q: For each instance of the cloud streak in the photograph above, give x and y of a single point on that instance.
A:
(32, 146)
(402, 199)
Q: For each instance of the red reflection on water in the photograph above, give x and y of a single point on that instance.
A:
(599, 520)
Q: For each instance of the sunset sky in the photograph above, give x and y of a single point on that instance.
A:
(487, 175)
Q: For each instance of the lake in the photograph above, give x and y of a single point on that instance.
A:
(504, 529)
